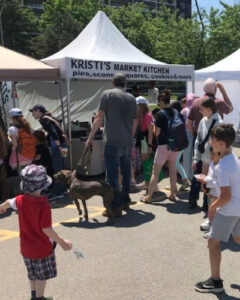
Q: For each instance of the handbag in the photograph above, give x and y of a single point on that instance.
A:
(147, 169)
(201, 146)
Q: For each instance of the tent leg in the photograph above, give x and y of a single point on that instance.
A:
(62, 106)
(193, 86)
(69, 123)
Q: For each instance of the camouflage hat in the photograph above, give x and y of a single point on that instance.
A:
(33, 178)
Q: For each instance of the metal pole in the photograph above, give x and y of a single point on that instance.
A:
(62, 105)
(69, 122)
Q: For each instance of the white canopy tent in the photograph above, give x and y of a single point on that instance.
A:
(99, 52)
(227, 71)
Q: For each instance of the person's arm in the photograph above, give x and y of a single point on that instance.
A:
(135, 124)
(96, 125)
(225, 96)
(224, 198)
(150, 137)
(157, 131)
(189, 125)
(53, 235)
(4, 206)
(197, 154)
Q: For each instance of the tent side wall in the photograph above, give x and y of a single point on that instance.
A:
(85, 95)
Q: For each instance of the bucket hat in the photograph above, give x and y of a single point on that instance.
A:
(33, 178)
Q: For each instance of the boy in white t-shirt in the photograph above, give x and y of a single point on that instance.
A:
(224, 212)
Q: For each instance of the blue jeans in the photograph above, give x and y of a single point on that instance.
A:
(58, 165)
(114, 158)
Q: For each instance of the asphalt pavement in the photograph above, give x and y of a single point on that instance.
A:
(153, 252)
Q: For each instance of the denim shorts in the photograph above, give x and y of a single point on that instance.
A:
(223, 226)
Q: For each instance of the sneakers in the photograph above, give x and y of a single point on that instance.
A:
(210, 286)
(205, 226)
(206, 235)
(142, 186)
(186, 184)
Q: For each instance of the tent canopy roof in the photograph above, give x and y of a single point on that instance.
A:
(225, 69)
(101, 50)
(102, 41)
(19, 67)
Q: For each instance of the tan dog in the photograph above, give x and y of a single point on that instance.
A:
(84, 190)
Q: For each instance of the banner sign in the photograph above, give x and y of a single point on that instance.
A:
(6, 101)
(93, 69)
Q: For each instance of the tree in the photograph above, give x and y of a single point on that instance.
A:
(19, 26)
(61, 22)
(223, 32)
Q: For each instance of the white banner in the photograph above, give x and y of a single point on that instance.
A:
(6, 101)
(93, 69)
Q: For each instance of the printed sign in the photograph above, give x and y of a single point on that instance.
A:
(93, 69)
(6, 101)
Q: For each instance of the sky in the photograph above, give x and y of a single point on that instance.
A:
(215, 3)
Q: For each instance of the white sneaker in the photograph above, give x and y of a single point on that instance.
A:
(206, 235)
(205, 225)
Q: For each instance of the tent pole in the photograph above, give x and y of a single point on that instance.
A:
(69, 122)
(62, 107)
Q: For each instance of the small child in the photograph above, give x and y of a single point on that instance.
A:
(210, 186)
(43, 156)
(35, 240)
(224, 212)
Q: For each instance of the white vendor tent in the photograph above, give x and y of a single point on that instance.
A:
(88, 64)
(227, 71)
(101, 50)
(98, 52)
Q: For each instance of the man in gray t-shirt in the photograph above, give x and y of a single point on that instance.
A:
(118, 111)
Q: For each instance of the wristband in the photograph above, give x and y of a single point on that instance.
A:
(150, 145)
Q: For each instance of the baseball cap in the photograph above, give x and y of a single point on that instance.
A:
(33, 178)
(16, 112)
(141, 100)
(38, 107)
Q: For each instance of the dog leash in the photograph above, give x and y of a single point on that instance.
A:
(87, 151)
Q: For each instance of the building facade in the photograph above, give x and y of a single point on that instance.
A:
(184, 6)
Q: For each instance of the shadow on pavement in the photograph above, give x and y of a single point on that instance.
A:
(224, 296)
(59, 203)
(7, 213)
(178, 207)
(132, 218)
(230, 245)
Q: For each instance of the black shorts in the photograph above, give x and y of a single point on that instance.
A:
(41, 268)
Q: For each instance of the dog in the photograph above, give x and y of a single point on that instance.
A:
(84, 190)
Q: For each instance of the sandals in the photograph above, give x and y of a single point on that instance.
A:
(144, 200)
(172, 198)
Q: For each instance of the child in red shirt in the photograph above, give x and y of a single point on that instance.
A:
(36, 232)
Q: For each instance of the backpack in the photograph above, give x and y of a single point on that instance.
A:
(27, 143)
(176, 134)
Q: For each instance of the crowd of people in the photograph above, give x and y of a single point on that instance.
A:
(187, 136)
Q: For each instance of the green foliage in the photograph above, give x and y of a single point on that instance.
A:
(19, 25)
(162, 34)
(61, 22)
(223, 33)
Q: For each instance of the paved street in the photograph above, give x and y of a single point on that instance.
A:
(153, 252)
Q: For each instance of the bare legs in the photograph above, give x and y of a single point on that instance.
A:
(38, 286)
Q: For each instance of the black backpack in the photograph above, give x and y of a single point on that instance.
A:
(176, 134)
